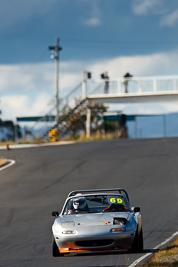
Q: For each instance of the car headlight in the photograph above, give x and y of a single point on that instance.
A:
(119, 221)
(69, 232)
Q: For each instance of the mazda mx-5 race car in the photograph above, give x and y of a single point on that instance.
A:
(97, 220)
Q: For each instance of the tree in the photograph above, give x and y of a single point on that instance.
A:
(9, 130)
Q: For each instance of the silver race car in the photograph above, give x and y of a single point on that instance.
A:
(97, 220)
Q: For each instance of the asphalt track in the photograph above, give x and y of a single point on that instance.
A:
(43, 176)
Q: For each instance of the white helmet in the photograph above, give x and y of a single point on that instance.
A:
(79, 203)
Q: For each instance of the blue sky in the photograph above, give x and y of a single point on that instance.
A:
(139, 36)
(87, 28)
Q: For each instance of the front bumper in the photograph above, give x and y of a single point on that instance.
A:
(95, 243)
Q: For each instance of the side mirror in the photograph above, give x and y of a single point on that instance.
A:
(136, 209)
(55, 213)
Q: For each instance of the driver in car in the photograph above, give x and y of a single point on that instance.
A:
(79, 205)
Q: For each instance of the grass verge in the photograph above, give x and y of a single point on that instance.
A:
(94, 137)
(166, 256)
(3, 162)
(78, 138)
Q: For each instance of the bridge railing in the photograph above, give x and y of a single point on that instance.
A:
(135, 85)
(71, 99)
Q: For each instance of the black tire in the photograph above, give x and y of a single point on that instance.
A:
(55, 250)
(137, 245)
(141, 240)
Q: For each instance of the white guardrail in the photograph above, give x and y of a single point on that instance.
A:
(135, 85)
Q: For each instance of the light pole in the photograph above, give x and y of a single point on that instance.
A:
(56, 49)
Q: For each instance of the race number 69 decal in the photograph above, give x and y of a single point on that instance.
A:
(115, 200)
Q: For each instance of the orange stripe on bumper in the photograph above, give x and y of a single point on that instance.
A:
(70, 250)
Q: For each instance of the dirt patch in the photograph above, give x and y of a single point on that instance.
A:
(3, 162)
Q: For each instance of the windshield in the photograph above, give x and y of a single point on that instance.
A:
(96, 204)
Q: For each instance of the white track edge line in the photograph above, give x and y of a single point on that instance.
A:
(158, 246)
(11, 162)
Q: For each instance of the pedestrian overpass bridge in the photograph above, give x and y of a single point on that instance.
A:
(157, 89)
(137, 90)
(140, 90)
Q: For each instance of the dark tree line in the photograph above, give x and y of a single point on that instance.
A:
(9, 131)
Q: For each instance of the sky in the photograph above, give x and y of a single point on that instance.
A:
(139, 36)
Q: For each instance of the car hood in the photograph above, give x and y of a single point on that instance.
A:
(91, 219)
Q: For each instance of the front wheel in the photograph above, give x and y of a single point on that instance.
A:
(55, 250)
(137, 245)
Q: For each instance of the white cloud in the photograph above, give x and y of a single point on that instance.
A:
(92, 22)
(37, 78)
(147, 7)
(25, 77)
(95, 15)
(143, 7)
(27, 89)
(14, 106)
(170, 20)
(146, 65)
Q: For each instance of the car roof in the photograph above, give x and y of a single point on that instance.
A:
(116, 191)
